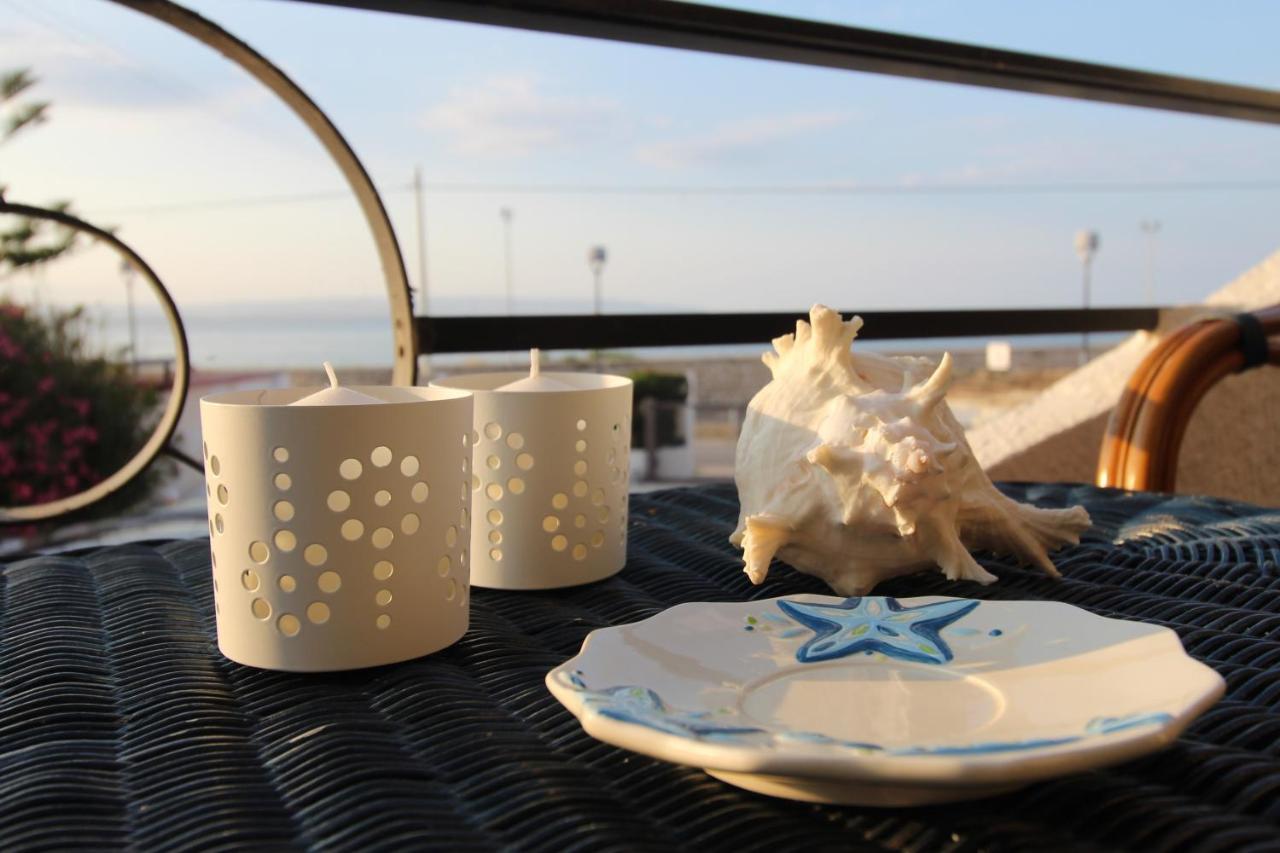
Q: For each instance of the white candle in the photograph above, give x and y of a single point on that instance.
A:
(535, 381)
(335, 394)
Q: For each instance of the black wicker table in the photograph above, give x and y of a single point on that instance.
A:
(122, 727)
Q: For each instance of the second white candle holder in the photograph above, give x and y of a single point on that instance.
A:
(550, 476)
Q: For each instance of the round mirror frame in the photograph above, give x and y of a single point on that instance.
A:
(404, 370)
(399, 294)
(177, 395)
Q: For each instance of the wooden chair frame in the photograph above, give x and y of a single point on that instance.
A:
(1145, 432)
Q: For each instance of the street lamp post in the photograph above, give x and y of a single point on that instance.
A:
(596, 258)
(1150, 228)
(506, 215)
(127, 271)
(1086, 248)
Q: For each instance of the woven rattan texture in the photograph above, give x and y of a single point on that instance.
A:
(122, 727)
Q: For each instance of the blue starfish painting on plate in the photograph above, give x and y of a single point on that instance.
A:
(876, 624)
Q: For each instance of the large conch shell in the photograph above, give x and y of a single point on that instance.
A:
(851, 467)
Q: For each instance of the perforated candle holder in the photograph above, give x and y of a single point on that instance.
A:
(550, 474)
(339, 533)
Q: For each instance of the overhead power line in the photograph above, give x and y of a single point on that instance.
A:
(479, 188)
(854, 189)
(243, 201)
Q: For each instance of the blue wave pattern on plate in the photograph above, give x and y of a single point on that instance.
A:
(1109, 725)
(945, 749)
(876, 624)
(644, 707)
(1094, 728)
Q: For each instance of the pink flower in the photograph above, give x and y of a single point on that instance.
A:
(11, 417)
(79, 434)
(45, 385)
(85, 434)
(8, 349)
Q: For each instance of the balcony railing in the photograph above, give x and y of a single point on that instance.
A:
(711, 29)
(487, 334)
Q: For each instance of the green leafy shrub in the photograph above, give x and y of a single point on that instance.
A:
(68, 417)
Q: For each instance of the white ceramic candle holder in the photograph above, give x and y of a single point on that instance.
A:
(551, 469)
(339, 533)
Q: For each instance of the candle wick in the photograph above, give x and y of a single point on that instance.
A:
(333, 377)
(535, 362)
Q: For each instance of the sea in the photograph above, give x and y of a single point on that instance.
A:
(246, 337)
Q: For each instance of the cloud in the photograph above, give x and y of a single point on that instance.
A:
(511, 116)
(735, 140)
(96, 75)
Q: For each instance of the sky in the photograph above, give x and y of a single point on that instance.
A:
(226, 194)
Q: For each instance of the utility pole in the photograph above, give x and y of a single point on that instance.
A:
(422, 240)
(1086, 248)
(128, 272)
(1150, 228)
(421, 221)
(506, 215)
(596, 257)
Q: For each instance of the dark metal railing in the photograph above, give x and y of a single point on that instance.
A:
(711, 29)
(488, 334)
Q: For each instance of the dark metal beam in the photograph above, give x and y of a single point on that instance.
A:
(168, 421)
(620, 331)
(399, 296)
(715, 30)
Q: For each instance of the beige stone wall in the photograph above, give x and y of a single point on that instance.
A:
(1232, 446)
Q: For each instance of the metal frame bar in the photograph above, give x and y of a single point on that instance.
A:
(716, 30)
(159, 438)
(712, 29)
(489, 334)
(399, 296)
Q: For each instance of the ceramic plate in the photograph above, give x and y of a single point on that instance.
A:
(883, 701)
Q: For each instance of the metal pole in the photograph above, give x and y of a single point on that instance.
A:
(1086, 284)
(1150, 228)
(595, 302)
(127, 269)
(596, 258)
(1086, 247)
(506, 215)
(422, 240)
(421, 222)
